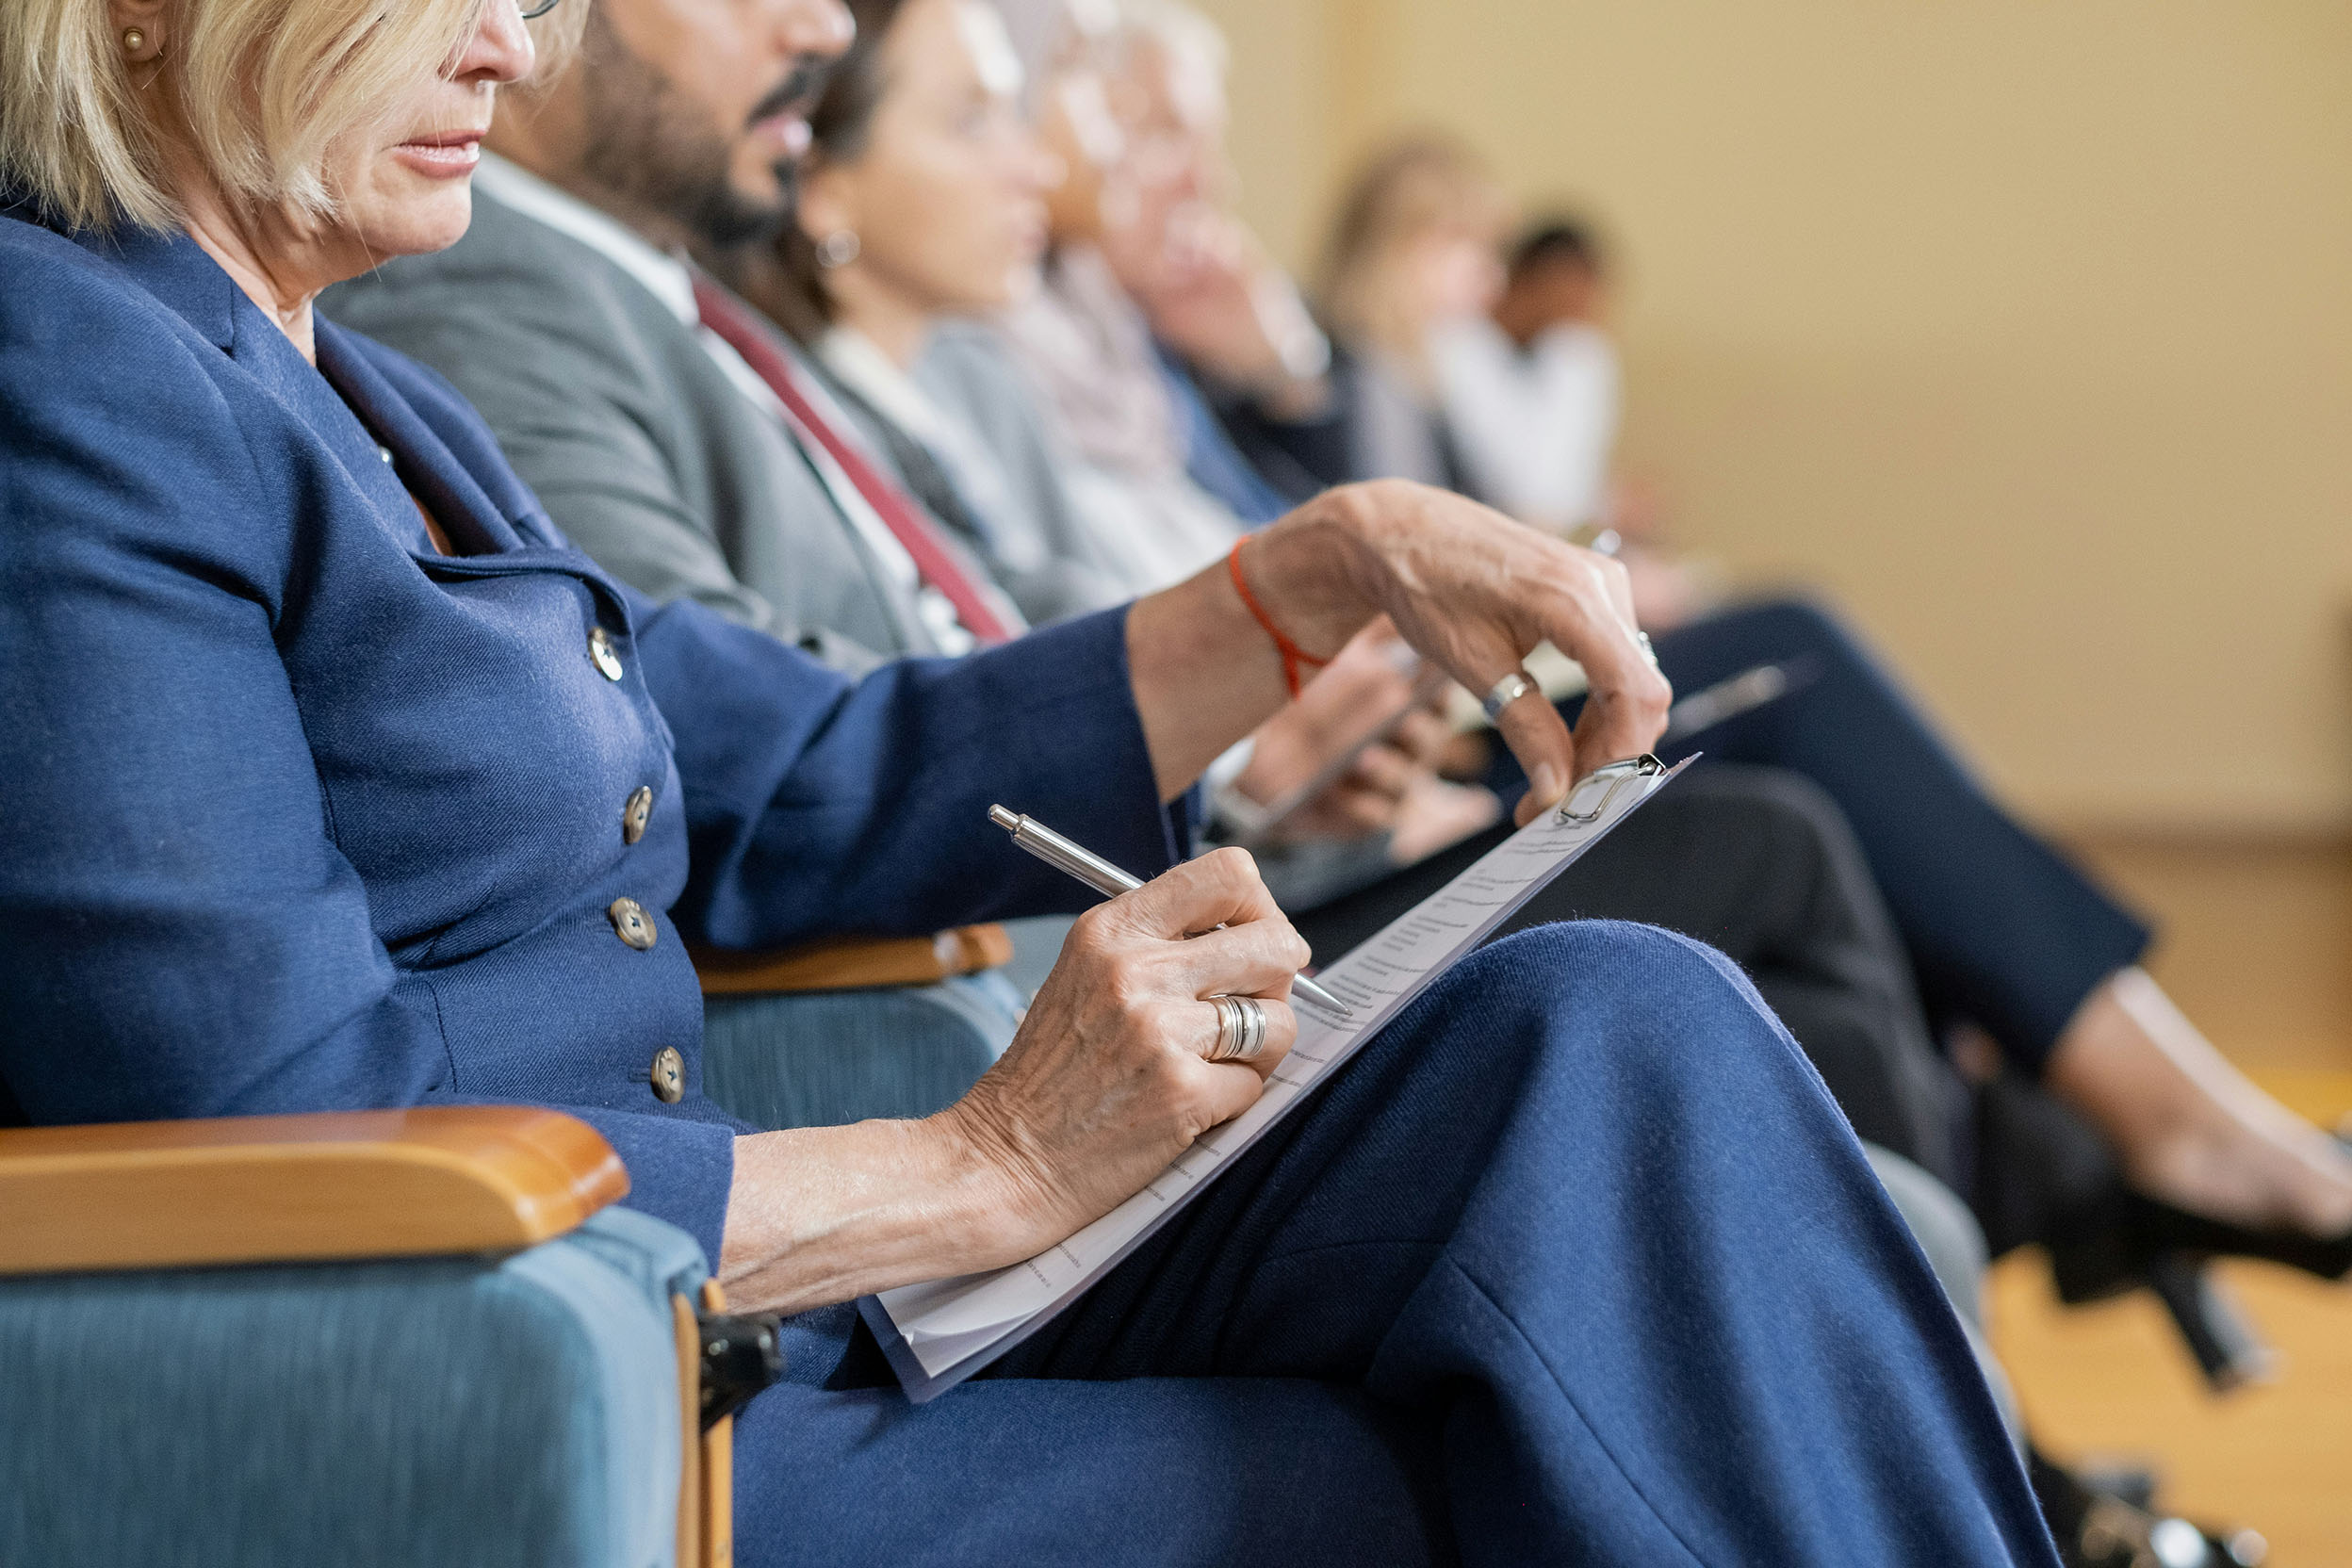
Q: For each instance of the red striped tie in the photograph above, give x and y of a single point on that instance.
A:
(935, 558)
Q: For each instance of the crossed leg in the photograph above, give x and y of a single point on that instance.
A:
(1576, 1261)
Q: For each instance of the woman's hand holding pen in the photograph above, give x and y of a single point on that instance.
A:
(1105, 1083)
(1108, 1078)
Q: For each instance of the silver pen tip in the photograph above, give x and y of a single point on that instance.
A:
(1309, 991)
(1008, 821)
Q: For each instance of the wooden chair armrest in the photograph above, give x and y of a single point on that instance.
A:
(281, 1189)
(854, 963)
(706, 1494)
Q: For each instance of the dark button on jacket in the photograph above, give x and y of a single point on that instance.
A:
(633, 925)
(669, 1075)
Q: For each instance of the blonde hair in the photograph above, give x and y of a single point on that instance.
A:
(1420, 186)
(264, 86)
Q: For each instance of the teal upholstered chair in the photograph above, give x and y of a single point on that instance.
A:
(416, 1337)
(839, 1031)
(424, 1336)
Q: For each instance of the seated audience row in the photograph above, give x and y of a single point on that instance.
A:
(923, 198)
(345, 780)
(2002, 932)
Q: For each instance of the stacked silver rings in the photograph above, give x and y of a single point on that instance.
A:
(1240, 1029)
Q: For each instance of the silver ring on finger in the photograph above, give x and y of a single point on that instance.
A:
(1647, 652)
(1504, 693)
(1240, 1029)
(1228, 1031)
(1252, 1028)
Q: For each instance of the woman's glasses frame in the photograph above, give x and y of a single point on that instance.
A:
(533, 13)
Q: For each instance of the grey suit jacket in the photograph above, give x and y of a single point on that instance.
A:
(642, 450)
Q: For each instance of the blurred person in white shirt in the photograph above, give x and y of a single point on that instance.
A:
(1530, 387)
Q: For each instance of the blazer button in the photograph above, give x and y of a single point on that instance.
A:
(669, 1075)
(635, 927)
(601, 655)
(636, 814)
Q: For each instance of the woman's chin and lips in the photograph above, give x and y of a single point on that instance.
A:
(991, 227)
(1026, 235)
(407, 187)
(415, 194)
(412, 191)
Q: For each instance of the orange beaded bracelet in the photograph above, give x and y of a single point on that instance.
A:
(1293, 655)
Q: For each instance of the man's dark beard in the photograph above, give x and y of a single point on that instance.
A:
(653, 147)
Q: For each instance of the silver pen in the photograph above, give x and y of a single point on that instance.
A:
(1107, 879)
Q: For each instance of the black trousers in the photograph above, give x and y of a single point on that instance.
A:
(2002, 930)
(1759, 863)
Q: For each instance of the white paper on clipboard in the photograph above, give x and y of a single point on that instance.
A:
(941, 1332)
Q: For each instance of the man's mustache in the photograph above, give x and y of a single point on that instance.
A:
(797, 94)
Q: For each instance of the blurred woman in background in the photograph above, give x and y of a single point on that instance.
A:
(1412, 257)
(1080, 337)
(922, 209)
(921, 206)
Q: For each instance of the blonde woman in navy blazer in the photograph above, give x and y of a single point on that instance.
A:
(333, 777)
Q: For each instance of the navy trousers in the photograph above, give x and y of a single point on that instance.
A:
(2001, 929)
(1575, 1263)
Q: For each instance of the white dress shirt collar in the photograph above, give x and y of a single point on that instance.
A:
(664, 274)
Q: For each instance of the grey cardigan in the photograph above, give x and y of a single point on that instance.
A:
(640, 446)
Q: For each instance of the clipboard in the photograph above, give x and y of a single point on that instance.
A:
(939, 1333)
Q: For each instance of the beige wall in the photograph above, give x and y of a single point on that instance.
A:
(2024, 328)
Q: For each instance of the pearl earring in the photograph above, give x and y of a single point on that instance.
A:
(133, 41)
(838, 249)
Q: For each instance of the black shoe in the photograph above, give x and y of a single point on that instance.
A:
(2112, 1250)
(2138, 1241)
(2046, 1175)
(2098, 1529)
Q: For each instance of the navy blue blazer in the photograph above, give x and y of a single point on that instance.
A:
(297, 813)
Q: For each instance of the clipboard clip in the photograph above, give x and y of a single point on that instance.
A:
(1601, 786)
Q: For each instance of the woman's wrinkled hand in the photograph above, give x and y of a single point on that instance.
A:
(1473, 592)
(1107, 1080)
